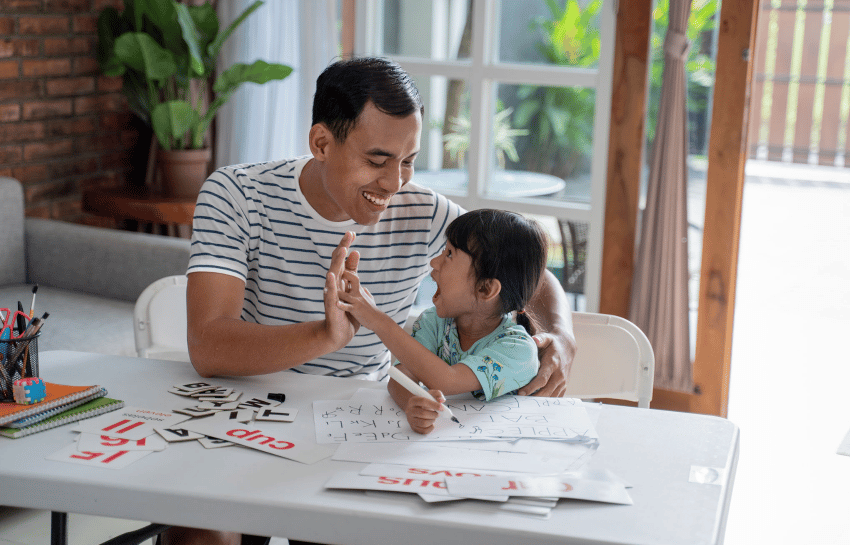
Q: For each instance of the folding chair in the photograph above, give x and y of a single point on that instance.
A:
(160, 320)
(614, 360)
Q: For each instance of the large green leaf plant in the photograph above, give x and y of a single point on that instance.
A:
(561, 118)
(160, 47)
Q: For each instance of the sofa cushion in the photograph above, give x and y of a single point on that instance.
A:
(78, 321)
(12, 264)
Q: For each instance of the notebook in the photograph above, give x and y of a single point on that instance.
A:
(88, 409)
(30, 420)
(57, 395)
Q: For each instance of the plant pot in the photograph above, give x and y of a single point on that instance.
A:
(183, 171)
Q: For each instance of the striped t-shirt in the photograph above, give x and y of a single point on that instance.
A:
(253, 222)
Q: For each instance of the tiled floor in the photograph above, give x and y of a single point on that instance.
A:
(790, 379)
(790, 384)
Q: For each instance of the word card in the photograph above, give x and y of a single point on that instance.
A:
(93, 443)
(266, 437)
(175, 434)
(561, 486)
(109, 460)
(130, 422)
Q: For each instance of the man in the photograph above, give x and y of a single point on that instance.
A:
(271, 241)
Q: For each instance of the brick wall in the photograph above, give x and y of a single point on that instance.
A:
(64, 127)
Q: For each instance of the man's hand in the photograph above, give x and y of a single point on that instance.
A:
(556, 357)
(339, 325)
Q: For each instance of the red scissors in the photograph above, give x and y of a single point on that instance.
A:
(9, 320)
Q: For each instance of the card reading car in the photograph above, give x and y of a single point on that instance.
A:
(130, 422)
(110, 460)
(272, 438)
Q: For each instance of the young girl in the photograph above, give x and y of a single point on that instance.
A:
(489, 269)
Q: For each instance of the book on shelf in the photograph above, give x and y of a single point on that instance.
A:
(56, 396)
(90, 408)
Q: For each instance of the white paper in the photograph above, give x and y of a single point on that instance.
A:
(269, 437)
(562, 486)
(372, 416)
(130, 422)
(844, 447)
(429, 454)
(107, 460)
(101, 443)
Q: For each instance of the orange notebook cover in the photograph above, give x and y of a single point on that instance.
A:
(57, 394)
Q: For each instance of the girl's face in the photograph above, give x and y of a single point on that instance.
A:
(455, 278)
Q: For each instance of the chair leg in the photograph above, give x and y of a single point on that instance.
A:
(58, 528)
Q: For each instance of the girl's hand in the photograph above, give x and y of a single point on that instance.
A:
(422, 412)
(357, 301)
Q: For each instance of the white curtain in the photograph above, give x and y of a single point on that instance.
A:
(271, 121)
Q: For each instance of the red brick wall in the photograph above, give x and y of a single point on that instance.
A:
(64, 128)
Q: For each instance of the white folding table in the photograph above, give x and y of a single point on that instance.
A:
(681, 467)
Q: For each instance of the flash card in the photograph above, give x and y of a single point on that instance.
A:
(265, 437)
(109, 460)
(195, 412)
(90, 442)
(179, 392)
(235, 395)
(218, 405)
(277, 414)
(241, 415)
(173, 435)
(130, 422)
(256, 404)
(217, 393)
(195, 387)
(212, 442)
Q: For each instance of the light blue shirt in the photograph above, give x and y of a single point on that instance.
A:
(503, 361)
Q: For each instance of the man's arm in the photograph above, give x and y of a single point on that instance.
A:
(221, 343)
(556, 341)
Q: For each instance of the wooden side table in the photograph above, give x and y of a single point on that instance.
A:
(142, 205)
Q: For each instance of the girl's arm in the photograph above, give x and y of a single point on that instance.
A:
(422, 364)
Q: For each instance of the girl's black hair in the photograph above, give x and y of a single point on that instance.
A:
(344, 88)
(505, 246)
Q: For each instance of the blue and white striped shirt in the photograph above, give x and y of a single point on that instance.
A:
(253, 222)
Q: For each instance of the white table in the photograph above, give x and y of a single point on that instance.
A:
(238, 489)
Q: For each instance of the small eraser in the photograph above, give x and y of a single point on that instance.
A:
(29, 390)
(277, 397)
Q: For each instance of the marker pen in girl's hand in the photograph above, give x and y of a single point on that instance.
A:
(415, 389)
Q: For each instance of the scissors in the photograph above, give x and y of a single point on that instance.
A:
(8, 320)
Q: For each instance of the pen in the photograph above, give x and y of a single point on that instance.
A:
(415, 389)
(32, 305)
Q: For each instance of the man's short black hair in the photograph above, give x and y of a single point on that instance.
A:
(344, 88)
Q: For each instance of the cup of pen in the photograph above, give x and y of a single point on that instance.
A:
(18, 360)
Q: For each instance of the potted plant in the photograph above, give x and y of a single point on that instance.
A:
(166, 53)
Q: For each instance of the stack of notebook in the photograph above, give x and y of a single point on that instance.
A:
(62, 405)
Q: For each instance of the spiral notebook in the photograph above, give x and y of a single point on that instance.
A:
(57, 395)
(88, 409)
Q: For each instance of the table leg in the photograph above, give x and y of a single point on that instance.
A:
(58, 528)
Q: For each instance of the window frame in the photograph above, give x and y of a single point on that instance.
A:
(483, 72)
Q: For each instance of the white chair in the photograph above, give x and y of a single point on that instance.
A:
(614, 360)
(160, 320)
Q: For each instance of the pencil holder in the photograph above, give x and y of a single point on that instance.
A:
(18, 359)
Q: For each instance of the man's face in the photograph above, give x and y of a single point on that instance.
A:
(364, 172)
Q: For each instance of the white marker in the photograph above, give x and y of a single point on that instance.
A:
(415, 389)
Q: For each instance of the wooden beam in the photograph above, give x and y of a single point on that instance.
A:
(625, 146)
(727, 156)
(349, 9)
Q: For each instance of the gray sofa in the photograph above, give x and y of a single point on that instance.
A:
(89, 277)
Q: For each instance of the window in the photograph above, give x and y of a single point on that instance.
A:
(517, 102)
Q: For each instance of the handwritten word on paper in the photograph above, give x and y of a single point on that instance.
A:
(372, 416)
